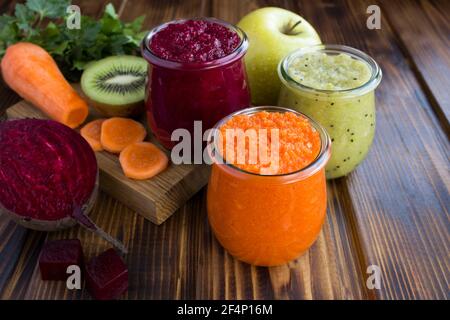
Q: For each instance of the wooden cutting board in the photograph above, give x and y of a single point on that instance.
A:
(156, 199)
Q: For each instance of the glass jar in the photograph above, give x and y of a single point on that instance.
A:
(179, 93)
(266, 220)
(348, 115)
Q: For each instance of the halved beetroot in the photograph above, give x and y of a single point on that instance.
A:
(48, 174)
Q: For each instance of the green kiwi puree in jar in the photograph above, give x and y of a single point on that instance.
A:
(335, 86)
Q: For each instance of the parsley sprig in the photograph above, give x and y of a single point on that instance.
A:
(43, 22)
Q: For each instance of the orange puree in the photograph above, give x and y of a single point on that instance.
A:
(269, 220)
(299, 142)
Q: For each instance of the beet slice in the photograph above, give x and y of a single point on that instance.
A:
(57, 255)
(46, 171)
(48, 176)
(106, 276)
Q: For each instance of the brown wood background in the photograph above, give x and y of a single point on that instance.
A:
(391, 212)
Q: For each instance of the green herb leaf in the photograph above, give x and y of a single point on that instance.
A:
(79, 64)
(43, 22)
(23, 14)
(48, 8)
(135, 26)
(8, 32)
(110, 11)
(111, 25)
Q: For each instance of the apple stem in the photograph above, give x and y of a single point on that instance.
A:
(290, 31)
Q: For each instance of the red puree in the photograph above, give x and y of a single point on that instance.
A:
(46, 169)
(194, 41)
(199, 88)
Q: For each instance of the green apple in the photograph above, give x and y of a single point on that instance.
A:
(272, 33)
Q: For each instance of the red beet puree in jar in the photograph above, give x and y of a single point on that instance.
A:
(196, 73)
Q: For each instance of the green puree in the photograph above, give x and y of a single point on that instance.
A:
(348, 116)
(329, 72)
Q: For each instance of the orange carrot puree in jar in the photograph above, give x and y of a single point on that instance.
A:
(261, 213)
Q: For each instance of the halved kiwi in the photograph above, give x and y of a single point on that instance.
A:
(115, 85)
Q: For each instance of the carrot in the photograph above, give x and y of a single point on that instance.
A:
(117, 133)
(142, 160)
(91, 132)
(31, 72)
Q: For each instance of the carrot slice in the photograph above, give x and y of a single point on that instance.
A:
(31, 72)
(91, 132)
(117, 133)
(142, 160)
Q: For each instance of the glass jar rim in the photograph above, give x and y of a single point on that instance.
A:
(370, 85)
(318, 163)
(237, 53)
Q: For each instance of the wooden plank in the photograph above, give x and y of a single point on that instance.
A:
(423, 32)
(12, 238)
(158, 260)
(22, 273)
(157, 198)
(20, 247)
(393, 211)
(157, 257)
(330, 270)
(182, 259)
(116, 219)
(159, 11)
(400, 194)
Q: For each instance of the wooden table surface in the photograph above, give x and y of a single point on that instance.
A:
(391, 212)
